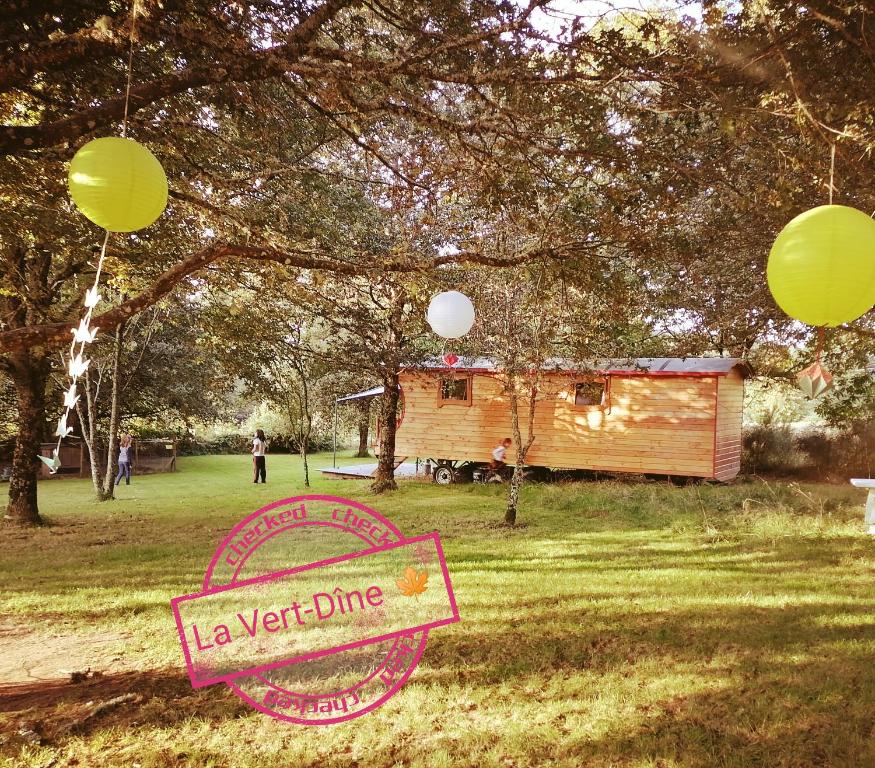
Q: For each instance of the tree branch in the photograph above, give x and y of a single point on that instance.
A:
(271, 62)
(58, 333)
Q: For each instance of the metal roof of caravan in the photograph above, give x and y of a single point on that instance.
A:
(640, 366)
(666, 366)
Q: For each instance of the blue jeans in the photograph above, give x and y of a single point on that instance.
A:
(124, 469)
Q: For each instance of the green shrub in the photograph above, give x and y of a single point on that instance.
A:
(817, 454)
(771, 448)
(236, 443)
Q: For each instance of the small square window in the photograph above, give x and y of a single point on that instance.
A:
(589, 393)
(455, 391)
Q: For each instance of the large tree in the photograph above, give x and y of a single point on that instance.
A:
(272, 119)
(246, 106)
(376, 328)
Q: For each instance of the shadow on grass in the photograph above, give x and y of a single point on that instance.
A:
(616, 553)
(779, 715)
(58, 709)
(788, 687)
(746, 564)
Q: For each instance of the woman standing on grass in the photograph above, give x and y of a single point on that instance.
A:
(259, 448)
(124, 459)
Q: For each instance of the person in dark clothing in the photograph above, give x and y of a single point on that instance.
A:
(259, 448)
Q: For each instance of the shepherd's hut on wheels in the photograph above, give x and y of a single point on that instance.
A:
(678, 417)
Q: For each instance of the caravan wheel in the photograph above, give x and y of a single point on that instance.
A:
(444, 475)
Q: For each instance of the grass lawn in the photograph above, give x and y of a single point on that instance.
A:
(622, 624)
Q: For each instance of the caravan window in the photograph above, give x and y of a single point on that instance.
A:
(454, 391)
(590, 393)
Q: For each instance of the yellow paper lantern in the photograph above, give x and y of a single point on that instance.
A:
(822, 266)
(118, 184)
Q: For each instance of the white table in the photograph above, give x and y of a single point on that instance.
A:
(869, 483)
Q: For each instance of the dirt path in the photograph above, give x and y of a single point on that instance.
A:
(28, 656)
(42, 701)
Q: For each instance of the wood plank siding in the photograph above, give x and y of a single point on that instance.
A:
(661, 424)
(727, 438)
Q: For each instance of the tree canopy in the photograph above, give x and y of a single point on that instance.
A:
(643, 161)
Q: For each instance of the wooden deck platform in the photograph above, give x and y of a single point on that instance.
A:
(366, 471)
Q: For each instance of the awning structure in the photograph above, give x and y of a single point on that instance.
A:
(372, 392)
(367, 394)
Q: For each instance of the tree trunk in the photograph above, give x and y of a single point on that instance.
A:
(513, 495)
(89, 432)
(384, 480)
(29, 375)
(516, 481)
(111, 464)
(308, 421)
(522, 449)
(308, 426)
(364, 427)
(303, 418)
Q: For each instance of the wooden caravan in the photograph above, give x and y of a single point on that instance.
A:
(667, 416)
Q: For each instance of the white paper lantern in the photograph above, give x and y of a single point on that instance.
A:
(450, 314)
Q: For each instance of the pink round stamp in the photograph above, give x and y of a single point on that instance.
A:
(315, 609)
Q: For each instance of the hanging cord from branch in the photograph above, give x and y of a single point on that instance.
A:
(832, 169)
(83, 334)
(821, 333)
(131, 35)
